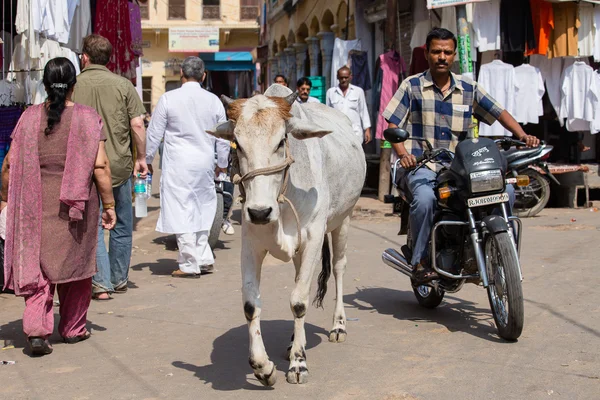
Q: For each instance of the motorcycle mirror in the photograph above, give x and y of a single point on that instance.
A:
(395, 135)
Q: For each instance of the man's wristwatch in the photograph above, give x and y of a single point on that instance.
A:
(108, 206)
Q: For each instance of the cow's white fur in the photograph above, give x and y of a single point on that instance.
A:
(325, 184)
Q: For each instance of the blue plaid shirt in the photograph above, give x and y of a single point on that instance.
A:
(421, 108)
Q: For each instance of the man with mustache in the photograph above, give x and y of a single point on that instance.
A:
(438, 105)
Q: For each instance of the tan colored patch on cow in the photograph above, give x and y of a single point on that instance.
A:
(234, 110)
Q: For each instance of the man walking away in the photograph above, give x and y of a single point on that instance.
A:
(188, 199)
(122, 111)
(350, 100)
(304, 86)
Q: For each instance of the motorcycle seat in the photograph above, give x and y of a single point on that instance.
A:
(517, 154)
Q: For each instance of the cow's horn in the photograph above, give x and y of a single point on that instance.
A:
(291, 98)
(226, 100)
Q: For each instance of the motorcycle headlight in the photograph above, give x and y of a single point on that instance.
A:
(486, 181)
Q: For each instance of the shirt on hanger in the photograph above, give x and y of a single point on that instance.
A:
(359, 67)
(421, 22)
(498, 79)
(564, 38)
(580, 95)
(586, 30)
(341, 49)
(486, 25)
(529, 94)
(516, 25)
(543, 23)
(392, 66)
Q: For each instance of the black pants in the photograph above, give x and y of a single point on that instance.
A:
(227, 198)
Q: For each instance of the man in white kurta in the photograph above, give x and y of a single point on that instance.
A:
(188, 198)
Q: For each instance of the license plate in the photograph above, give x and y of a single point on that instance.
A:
(486, 200)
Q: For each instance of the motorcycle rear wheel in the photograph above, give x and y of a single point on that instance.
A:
(533, 198)
(427, 296)
(215, 230)
(504, 290)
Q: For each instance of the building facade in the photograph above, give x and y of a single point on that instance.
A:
(224, 33)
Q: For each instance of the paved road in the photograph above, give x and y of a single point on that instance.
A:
(187, 339)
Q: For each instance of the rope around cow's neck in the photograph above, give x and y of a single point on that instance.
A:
(281, 198)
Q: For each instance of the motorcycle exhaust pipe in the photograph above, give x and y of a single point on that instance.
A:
(397, 261)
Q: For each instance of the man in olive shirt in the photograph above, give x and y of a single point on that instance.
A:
(121, 109)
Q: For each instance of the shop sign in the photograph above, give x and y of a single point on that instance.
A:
(190, 39)
(448, 3)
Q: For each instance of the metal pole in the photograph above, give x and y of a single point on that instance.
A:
(391, 34)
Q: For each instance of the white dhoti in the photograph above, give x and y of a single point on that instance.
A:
(194, 252)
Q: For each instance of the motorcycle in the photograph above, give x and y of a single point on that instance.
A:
(215, 230)
(473, 236)
(533, 198)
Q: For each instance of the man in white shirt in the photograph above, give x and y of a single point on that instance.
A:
(304, 85)
(188, 200)
(350, 100)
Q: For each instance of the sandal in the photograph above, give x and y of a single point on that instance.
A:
(39, 346)
(77, 339)
(102, 296)
(121, 289)
(425, 274)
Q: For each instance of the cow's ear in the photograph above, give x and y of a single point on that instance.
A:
(223, 130)
(302, 129)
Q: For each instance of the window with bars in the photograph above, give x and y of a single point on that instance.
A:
(176, 9)
(211, 9)
(249, 9)
(144, 10)
(147, 93)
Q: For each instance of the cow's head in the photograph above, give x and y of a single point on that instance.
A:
(260, 127)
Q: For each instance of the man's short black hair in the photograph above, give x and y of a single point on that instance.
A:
(281, 76)
(441, 34)
(304, 81)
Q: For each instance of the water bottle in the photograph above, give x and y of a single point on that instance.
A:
(139, 188)
(149, 185)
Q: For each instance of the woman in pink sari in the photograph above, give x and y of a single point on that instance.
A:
(51, 178)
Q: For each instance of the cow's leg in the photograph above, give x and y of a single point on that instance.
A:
(339, 241)
(252, 259)
(308, 259)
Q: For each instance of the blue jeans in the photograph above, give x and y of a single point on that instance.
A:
(423, 208)
(113, 265)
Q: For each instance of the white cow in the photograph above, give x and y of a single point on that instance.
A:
(325, 182)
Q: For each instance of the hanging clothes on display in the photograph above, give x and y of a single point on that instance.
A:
(449, 19)
(392, 73)
(359, 66)
(529, 94)
(112, 22)
(486, 25)
(498, 79)
(580, 97)
(421, 22)
(81, 25)
(564, 38)
(597, 36)
(135, 21)
(341, 50)
(543, 23)
(586, 33)
(418, 62)
(516, 26)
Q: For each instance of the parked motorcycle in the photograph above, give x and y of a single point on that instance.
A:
(472, 240)
(530, 199)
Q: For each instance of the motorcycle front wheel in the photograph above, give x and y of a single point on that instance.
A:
(533, 198)
(504, 290)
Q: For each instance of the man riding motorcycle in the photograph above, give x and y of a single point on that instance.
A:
(438, 105)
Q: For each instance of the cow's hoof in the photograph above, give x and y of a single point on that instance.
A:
(337, 336)
(298, 374)
(268, 379)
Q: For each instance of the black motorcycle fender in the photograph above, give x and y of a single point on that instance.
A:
(495, 224)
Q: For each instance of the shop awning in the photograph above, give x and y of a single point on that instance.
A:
(228, 61)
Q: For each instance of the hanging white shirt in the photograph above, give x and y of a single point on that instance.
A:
(421, 22)
(498, 79)
(530, 90)
(486, 25)
(580, 95)
(353, 105)
(81, 26)
(586, 31)
(595, 125)
(188, 200)
(341, 49)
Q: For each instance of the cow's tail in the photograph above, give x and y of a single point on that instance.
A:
(324, 275)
